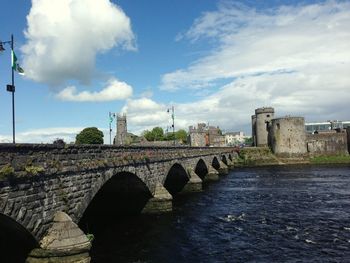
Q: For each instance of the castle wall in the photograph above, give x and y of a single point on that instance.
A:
(288, 136)
(254, 129)
(263, 117)
(327, 144)
(348, 137)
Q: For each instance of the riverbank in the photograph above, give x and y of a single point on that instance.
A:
(262, 156)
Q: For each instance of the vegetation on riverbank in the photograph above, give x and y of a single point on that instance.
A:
(255, 156)
(336, 159)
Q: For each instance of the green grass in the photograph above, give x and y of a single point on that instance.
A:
(330, 159)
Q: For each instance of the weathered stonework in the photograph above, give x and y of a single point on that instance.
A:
(223, 170)
(213, 175)
(161, 202)
(63, 242)
(194, 184)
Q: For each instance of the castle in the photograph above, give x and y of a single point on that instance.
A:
(287, 137)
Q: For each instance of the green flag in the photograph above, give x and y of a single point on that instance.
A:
(15, 66)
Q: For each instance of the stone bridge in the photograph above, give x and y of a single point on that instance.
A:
(47, 189)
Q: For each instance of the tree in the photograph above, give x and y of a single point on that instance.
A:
(157, 134)
(248, 141)
(181, 135)
(90, 135)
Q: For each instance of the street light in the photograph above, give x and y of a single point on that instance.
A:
(11, 88)
(111, 117)
(173, 125)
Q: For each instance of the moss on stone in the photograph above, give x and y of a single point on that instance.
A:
(34, 170)
(6, 171)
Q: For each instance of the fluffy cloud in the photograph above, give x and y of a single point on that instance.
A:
(47, 135)
(116, 90)
(64, 36)
(294, 58)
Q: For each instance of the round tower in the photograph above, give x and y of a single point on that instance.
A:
(288, 136)
(254, 130)
(263, 119)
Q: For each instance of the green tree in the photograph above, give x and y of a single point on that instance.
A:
(248, 141)
(90, 135)
(157, 134)
(181, 135)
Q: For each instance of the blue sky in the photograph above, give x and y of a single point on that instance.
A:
(215, 61)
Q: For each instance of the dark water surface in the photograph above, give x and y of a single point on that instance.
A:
(271, 214)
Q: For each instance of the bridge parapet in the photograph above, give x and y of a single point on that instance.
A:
(23, 160)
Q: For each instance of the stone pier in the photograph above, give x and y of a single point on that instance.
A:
(213, 174)
(194, 184)
(64, 242)
(161, 202)
(223, 170)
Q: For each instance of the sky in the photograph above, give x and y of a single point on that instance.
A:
(213, 61)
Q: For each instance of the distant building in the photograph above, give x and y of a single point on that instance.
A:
(205, 135)
(120, 138)
(234, 138)
(312, 127)
(197, 136)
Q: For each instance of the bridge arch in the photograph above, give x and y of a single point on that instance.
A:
(15, 240)
(201, 169)
(230, 157)
(123, 194)
(215, 163)
(176, 179)
(224, 159)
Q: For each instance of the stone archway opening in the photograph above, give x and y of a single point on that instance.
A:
(223, 159)
(176, 179)
(215, 163)
(15, 240)
(201, 169)
(230, 157)
(123, 195)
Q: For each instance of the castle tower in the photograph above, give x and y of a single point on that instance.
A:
(263, 120)
(254, 129)
(121, 130)
(288, 136)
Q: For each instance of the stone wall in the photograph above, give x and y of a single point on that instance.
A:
(348, 137)
(327, 144)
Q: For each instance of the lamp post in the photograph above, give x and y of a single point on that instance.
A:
(11, 88)
(173, 125)
(111, 116)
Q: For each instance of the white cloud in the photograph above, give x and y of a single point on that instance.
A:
(294, 58)
(47, 135)
(64, 37)
(116, 90)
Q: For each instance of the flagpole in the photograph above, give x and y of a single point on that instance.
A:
(13, 96)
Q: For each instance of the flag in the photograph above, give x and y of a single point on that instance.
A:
(15, 66)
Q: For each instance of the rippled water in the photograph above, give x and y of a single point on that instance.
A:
(273, 214)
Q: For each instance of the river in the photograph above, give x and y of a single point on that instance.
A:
(268, 214)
